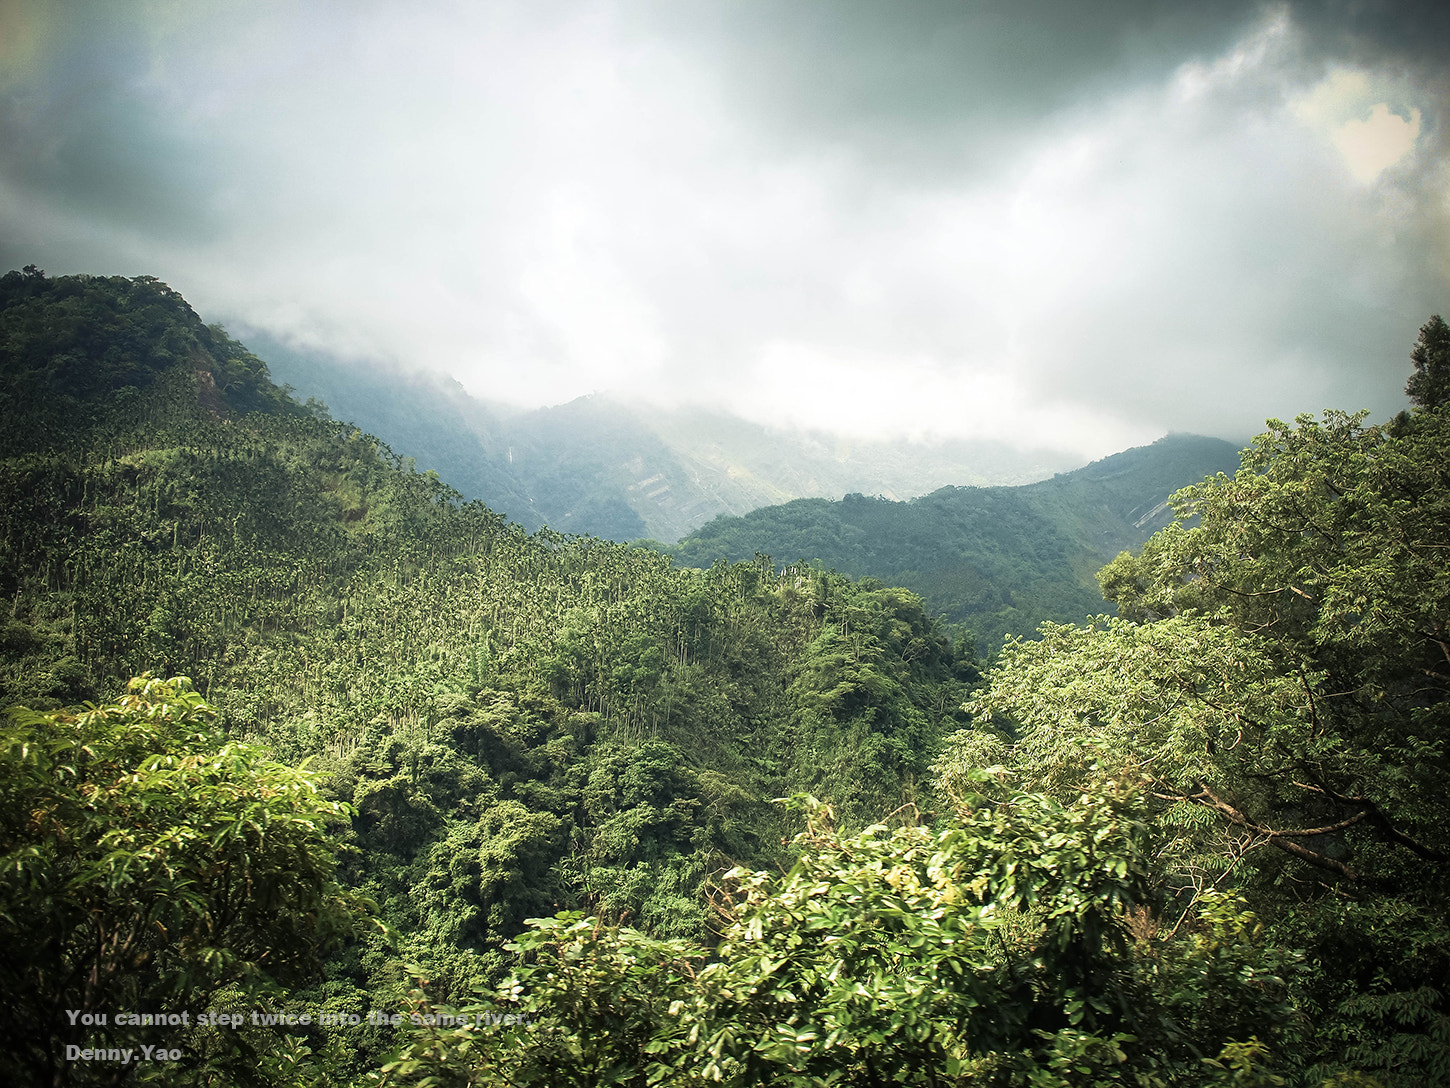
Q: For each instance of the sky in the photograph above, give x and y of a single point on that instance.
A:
(1053, 223)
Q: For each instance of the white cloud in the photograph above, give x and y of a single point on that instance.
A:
(1348, 109)
(1373, 145)
(1175, 257)
(549, 202)
(922, 399)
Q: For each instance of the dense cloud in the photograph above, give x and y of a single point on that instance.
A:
(1085, 223)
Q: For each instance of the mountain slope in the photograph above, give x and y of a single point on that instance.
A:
(601, 466)
(1001, 559)
(521, 722)
(95, 356)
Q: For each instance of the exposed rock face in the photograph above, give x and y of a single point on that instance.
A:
(208, 395)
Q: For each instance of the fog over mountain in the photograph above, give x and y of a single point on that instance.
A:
(602, 466)
(1049, 224)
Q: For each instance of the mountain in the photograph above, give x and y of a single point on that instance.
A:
(520, 723)
(405, 709)
(601, 466)
(112, 354)
(86, 358)
(1000, 559)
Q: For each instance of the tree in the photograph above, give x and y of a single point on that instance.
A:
(147, 866)
(1281, 675)
(1429, 385)
(996, 950)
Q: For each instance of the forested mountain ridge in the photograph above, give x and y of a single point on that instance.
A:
(1003, 559)
(80, 351)
(520, 723)
(1201, 844)
(601, 466)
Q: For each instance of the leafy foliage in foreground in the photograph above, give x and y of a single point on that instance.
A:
(1279, 674)
(998, 950)
(146, 863)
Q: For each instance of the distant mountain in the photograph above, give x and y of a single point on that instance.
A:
(597, 465)
(1000, 559)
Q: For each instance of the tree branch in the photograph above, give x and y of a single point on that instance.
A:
(1277, 839)
(1381, 821)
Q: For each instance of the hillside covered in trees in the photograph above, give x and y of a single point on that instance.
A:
(520, 723)
(1202, 843)
(1002, 560)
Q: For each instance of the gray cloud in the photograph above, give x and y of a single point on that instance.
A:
(928, 80)
(1085, 223)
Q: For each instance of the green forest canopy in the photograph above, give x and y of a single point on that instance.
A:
(1201, 843)
(1000, 560)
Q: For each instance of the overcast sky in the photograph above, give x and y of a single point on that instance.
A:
(1074, 224)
